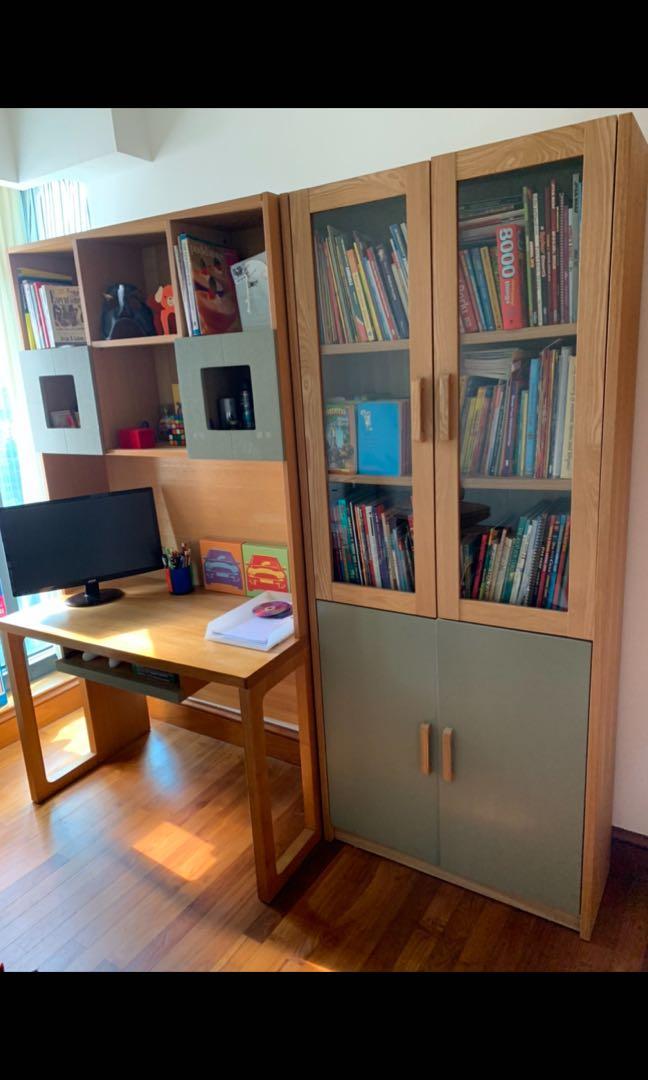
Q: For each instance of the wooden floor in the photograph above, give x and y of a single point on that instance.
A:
(146, 865)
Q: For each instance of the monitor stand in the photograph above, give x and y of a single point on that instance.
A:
(93, 595)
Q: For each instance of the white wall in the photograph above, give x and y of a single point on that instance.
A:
(205, 155)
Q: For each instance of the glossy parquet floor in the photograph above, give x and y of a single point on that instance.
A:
(146, 865)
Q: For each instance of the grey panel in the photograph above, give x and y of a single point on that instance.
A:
(255, 348)
(379, 683)
(67, 360)
(512, 818)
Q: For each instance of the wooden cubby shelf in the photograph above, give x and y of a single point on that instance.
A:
(161, 451)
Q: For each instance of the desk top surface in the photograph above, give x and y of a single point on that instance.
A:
(148, 624)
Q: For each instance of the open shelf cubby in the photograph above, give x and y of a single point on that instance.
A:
(140, 259)
(132, 386)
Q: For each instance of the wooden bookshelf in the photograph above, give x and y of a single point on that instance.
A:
(196, 498)
(389, 774)
(526, 333)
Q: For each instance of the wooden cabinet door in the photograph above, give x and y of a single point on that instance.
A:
(379, 687)
(516, 709)
(362, 278)
(521, 242)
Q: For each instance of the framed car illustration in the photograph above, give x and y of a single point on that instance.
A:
(222, 566)
(265, 568)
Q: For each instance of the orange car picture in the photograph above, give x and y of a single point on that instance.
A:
(266, 572)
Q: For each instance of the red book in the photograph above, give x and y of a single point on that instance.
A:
(555, 234)
(466, 309)
(510, 265)
(561, 565)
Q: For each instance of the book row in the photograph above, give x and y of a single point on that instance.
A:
(207, 285)
(372, 539)
(368, 437)
(362, 286)
(522, 425)
(51, 308)
(519, 258)
(524, 563)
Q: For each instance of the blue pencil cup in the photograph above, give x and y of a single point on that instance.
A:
(179, 580)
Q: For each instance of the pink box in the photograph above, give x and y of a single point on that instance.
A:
(136, 438)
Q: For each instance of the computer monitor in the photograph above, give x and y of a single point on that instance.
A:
(81, 541)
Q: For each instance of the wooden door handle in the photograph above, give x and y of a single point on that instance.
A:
(416, 406)
(443, 403)
(424, 743)
(447, 770)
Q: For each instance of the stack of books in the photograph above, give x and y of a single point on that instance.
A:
(206, 285)
(51, 308)
(519, 258)
(521, 424)
(362, 286)
(370, 437)
(523, 562)
(372, 538)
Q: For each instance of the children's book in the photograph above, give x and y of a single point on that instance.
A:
(383, 436)
(213, 294)
(340, 436)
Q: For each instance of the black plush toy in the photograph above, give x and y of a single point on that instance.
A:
(125, 313)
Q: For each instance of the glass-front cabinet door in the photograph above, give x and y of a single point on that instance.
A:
(362, 268)
(521, 250)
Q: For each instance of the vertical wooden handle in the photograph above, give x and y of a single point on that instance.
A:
(443, 401)
(447, 771)
(424, 737)
(416, 406)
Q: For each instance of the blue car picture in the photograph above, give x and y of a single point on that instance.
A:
(221, 568)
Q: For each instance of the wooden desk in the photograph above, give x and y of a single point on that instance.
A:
(150, 626)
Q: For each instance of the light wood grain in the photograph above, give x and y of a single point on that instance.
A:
(512, 337)
(631, 182)
(49, 704)
(361, 347)
(413, 182)
(521, 153)
(135, 342)
(208, 500)
(150, 625)
(307, 532)
(446, 359)
(515, 483)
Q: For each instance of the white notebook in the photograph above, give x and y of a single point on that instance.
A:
(241, 627)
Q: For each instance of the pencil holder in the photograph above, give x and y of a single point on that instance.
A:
(179, 581)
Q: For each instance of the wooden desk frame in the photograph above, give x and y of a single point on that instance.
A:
(115, 718)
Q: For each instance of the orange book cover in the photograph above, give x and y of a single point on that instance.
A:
(222, 566)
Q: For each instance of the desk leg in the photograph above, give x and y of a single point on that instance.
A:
(114, 717)
(272, 872)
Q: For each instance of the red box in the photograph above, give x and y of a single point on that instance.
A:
(136, 438)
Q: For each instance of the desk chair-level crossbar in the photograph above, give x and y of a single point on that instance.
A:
(116, 717)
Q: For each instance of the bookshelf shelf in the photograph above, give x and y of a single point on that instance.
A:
(154, 451)
(515, 483)
(399, 345)
(129, 343)
(368, 478)
(527, 333)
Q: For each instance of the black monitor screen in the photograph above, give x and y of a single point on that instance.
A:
(66, 542)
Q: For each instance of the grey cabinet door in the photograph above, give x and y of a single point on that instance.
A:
(512, 816)
(61, 379)
(379, 685)
(205, 364)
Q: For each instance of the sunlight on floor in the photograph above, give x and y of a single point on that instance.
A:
(75, 737)
(177, 850)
